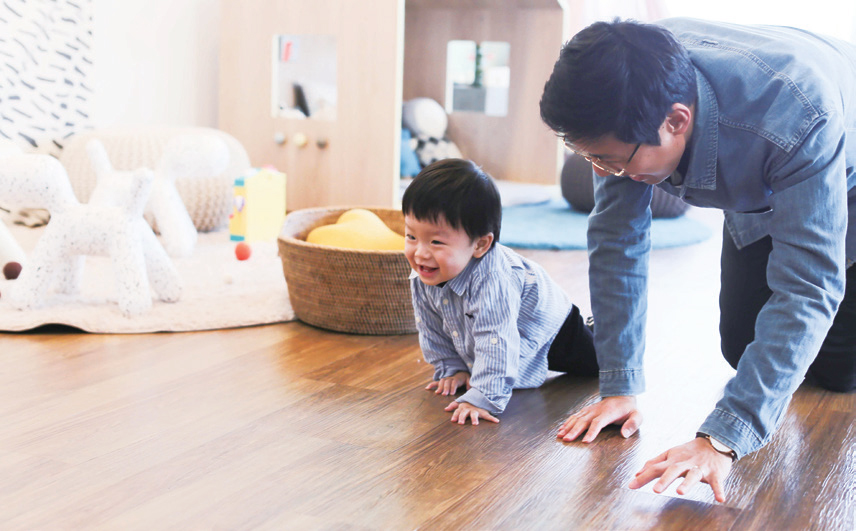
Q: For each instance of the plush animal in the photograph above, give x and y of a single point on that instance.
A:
(358, 229)
(410, 164)
(427, 121)
(10, 251)
(186, 156)
(110, 224)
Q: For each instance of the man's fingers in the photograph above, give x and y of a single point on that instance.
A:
(631, 425)
(597, 424)
(650, 471)
(659, 459)
(578, 426)
(716, 485)
(669, 475)
(567, 425)
(693, 476)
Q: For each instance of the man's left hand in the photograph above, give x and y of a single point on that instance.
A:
(463, 410)
(694, 461)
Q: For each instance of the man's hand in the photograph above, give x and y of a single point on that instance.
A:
(591, 419)
(462, 410)
(449, 385)
(694, 461)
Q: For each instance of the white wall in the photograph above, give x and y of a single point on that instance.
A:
(836, 18)
(156, 62)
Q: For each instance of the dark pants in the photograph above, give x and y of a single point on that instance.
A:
(744, 292)
(572, 350)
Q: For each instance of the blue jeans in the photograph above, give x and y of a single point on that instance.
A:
(744, 292)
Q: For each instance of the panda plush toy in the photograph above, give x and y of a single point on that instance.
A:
(427, 121)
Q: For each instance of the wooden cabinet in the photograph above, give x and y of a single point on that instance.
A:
(387, 51)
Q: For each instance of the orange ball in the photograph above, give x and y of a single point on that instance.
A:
(243, 251)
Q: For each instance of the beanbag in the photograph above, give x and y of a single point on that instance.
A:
(358, 229)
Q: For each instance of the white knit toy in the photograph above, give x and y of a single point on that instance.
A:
(111, 224)
(10, 251)
(186, 156)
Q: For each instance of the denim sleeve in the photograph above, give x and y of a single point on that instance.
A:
(437, 347)
(619, 244)
(806, 275)
(496, 307)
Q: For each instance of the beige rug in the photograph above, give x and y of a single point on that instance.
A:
(219, 292)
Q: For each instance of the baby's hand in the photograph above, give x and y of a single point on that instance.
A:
(448, 386)
(462, 410)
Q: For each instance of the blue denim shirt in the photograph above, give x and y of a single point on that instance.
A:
(775, 130)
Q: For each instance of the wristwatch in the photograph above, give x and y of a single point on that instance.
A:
(719, 446)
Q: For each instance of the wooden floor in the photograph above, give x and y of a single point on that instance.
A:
(291, 427)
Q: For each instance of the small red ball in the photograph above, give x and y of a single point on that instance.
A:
(243, 251)
(11, 270)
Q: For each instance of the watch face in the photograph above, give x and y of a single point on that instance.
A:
(719, 447)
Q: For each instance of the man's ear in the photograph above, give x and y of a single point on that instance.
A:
(679, 120)
(483, 245)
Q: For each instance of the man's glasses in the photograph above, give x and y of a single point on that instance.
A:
(603, 166)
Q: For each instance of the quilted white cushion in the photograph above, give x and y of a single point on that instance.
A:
(208, 199)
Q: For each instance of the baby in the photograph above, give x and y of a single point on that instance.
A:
(488, 319)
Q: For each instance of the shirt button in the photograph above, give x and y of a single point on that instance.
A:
(445, 301)
(470, 365)
(418, 319)
(494, 341)
(454, 333)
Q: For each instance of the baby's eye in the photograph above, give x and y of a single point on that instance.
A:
(409, 236)
(436, 242)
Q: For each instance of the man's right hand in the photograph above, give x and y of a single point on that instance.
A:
(591, 419)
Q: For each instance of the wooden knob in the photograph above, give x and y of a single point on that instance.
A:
(299, 139)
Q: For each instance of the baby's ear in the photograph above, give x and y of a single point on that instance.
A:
(483, 245)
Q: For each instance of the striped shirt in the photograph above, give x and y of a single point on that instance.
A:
(495, 320)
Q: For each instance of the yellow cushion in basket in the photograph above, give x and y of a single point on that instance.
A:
(358, 229)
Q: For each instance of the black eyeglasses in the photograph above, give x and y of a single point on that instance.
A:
(602, 166)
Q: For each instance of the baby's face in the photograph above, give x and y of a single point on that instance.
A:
(437, 251)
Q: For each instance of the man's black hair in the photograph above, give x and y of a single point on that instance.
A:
(458, 191)
(619, 77)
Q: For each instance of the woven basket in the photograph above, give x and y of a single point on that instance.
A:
(346, 290)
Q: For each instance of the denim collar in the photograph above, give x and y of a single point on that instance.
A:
(701, 173)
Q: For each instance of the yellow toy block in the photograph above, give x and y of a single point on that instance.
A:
(258, 208)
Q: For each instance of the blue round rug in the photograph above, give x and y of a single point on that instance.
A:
(555, 225)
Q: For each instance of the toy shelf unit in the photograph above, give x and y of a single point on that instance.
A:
(315, 88)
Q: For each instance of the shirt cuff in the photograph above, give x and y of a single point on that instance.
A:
(475, 397)
(732, 431)
(447, 368)
(622, 382)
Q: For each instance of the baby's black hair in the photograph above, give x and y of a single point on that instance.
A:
(459, 191)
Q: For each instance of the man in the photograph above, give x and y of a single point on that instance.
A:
(760, 122)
